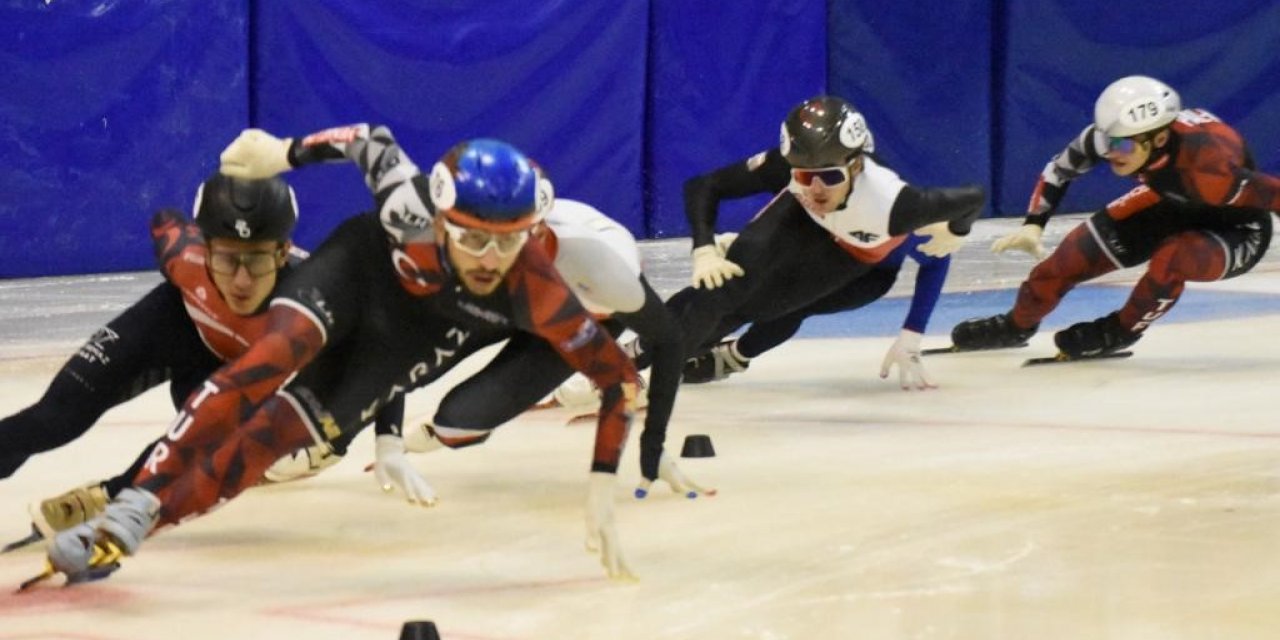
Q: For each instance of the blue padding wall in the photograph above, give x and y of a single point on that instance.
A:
(722, 77)
(1061, 54)
(113, 109)
(109, 111)
(921, 73)
(563, 80)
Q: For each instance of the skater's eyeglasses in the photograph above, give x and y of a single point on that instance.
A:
(477, 242)
(257, 263)
(830, 176)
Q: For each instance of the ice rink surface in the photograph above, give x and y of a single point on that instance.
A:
(1129, 499)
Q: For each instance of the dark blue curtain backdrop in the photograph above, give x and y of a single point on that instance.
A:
(1060, 54)
(110, 110)
(921, 72)
(562, 79)
(113, 108)
(722, 77)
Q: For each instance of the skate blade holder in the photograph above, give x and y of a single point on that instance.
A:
(104, 562)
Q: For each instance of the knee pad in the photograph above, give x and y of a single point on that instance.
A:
(429, 436)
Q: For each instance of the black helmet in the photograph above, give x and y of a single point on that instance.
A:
(823, 132)
(250, 210)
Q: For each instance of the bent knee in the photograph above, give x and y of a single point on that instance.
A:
(455, 438)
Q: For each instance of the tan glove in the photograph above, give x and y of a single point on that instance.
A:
(710, 269)
(942, 242)
(1025, 238)
(256, 154)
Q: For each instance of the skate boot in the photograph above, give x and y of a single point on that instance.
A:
(994, 332)
(60, 513)
(92, 550)
(577, 392)
(303, 463)
(719, 363)
(1096, 338)
(74, 507)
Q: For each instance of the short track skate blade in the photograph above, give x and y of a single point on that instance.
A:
(937, 351)
(93, 574)
(31, 539)
(1062, 358)
(27, 584)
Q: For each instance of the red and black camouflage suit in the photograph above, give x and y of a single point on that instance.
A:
(376, 310)
(1202, 213)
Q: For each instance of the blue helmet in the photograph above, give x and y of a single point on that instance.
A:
(489, 184)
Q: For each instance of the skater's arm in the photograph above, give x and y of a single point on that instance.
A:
(915, 207)
(1080, 156)
(658, 328)
(930, 278)
(765, 172)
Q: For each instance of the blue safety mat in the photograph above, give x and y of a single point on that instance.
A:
(885, 316)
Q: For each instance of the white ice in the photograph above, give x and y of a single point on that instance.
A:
(1130, 499)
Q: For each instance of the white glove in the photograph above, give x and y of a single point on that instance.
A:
(255, 154)
(393, 470)
(1026, 238)
(710, 269)
(942, 243)
(671, 474)
(602, 533)
(905, 353)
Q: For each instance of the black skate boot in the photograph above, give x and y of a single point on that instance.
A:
(717, 364)
(1096, 338)
(995, 332)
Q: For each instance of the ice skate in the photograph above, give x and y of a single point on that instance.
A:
(92, 550)
(714, 365)
(589, 410)
(1098, 338)
(993, 332)
(303, 463)
(577, 392)
(60, 513)
(82, 554)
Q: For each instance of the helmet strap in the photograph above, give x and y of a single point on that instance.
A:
(1157, 146)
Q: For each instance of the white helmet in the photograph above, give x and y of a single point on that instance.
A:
(1135, 104)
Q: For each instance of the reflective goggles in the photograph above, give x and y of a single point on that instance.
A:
(1126, 146)
(1122, 146)
(830, 176)
(477, 242)
(257, 263)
